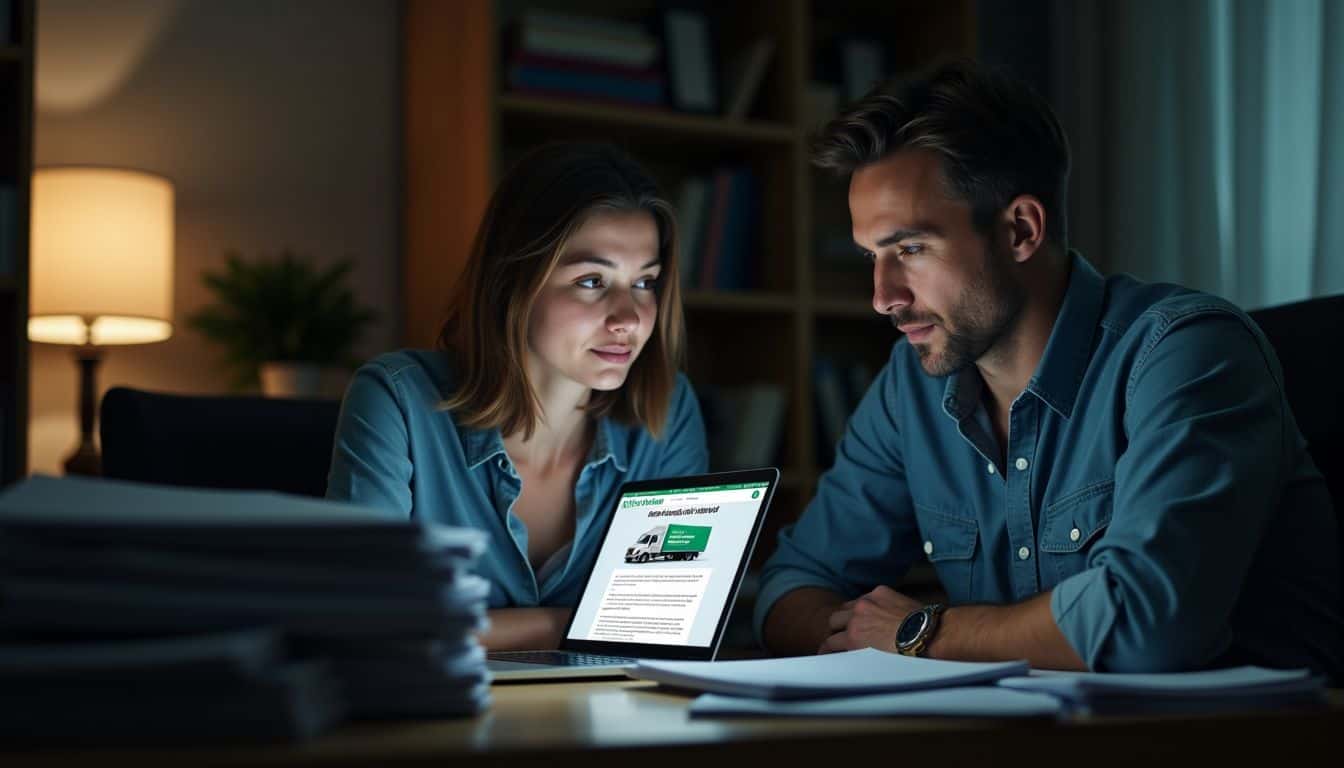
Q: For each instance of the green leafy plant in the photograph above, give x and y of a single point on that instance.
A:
(281, 310)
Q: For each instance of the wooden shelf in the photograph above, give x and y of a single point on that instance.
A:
(836, 307)
(740, 302)
(645, 121)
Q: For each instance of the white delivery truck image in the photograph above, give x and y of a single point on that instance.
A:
(669, 542)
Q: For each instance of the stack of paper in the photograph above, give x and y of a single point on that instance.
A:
(227, 686)
(868, 682)
(390, 605)
(1233, 689)
(872, 683)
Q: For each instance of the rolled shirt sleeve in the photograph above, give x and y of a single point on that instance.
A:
(370, 461)
(860, 529)
(1194, 491)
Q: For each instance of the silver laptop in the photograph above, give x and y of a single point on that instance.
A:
(666, 574)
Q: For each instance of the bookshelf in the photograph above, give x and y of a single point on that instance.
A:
(16, 169)
(807, 295)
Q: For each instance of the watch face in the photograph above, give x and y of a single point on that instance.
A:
(911, 627)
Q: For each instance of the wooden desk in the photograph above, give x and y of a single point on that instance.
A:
(636, 723)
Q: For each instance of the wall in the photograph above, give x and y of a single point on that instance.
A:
(278, 123)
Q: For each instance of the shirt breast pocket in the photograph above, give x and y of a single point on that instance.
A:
(950, 544)
(1074, 523)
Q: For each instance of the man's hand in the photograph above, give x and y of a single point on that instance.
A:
(869, 621)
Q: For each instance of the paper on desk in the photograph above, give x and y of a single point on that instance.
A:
(1235, 681)
(984, 701)
(836, 674)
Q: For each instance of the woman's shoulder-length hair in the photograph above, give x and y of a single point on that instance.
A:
(539, 204)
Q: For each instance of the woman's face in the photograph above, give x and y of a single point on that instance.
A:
(598, 308)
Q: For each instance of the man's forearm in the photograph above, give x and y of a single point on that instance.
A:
(1026, 630)
(798, 622)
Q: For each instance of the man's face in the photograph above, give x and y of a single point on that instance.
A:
(947, 288)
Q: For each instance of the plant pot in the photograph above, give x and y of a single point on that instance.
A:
(285, 379)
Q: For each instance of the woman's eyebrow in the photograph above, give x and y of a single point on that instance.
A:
(584, 257)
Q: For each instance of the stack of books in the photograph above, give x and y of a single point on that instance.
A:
(383, 610)
(577, 57)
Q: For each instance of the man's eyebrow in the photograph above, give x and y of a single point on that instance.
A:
(920, 230)
(583, 257)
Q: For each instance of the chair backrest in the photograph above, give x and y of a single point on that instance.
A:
(1306, 336)
(256, 443)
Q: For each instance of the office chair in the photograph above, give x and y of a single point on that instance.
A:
(1306, 336)
(245, 442)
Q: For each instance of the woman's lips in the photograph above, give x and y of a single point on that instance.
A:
(613, 354)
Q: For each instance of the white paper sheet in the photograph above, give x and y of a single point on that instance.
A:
(838, 674)
(985, 701)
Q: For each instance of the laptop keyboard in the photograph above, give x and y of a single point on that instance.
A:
(560, 658)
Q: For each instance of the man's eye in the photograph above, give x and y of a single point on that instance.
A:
(911, 249)
(589, 282)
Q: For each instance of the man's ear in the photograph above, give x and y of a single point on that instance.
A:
(1025, 216)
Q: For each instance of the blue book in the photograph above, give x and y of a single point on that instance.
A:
(589, 84)
(737, 258)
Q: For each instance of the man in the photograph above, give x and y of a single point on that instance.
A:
(1104, 473)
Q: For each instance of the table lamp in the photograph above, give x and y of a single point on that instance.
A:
(102, 272)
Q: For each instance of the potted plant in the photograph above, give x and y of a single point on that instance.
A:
(282, 321)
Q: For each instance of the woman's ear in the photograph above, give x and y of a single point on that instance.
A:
(1026, 226)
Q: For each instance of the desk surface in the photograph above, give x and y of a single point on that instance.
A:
(625, 722)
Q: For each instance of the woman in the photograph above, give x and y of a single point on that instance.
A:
(556, 381)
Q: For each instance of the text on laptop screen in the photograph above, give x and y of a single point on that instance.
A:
(666, 568)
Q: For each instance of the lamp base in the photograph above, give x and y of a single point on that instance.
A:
(84, 461)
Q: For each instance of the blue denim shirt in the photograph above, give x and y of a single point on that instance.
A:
(1155, 481)
(395, 449)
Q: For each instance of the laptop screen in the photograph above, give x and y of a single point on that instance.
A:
(671, 561)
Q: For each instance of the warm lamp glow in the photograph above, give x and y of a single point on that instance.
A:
(102, 257)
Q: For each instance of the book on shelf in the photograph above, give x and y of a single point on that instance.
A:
(833, 407)
(746, 71)
(862, 66)
(692, 205)
(542, 80)
(583, 58)
(743, 424)
(587, 38)
(691, 60)
(726, 259)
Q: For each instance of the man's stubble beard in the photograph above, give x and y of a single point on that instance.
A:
(988, 307)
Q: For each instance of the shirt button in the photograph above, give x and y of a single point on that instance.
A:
(1023, 553)
(928, 547)
(1021, 464)
(989, 468)
(1075, 535)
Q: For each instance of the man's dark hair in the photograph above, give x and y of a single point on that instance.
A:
(997, 137)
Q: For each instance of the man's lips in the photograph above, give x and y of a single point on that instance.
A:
(916, 331)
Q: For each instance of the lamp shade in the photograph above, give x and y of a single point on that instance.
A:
(102, 257)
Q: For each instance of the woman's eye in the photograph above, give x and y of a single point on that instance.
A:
(589, 282)
(646, 283)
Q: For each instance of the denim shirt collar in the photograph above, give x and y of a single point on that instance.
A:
(1060, 372)
(610, 444)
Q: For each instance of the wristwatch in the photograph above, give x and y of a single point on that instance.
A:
(915, 632)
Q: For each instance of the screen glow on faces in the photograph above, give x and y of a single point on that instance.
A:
(598, 309)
